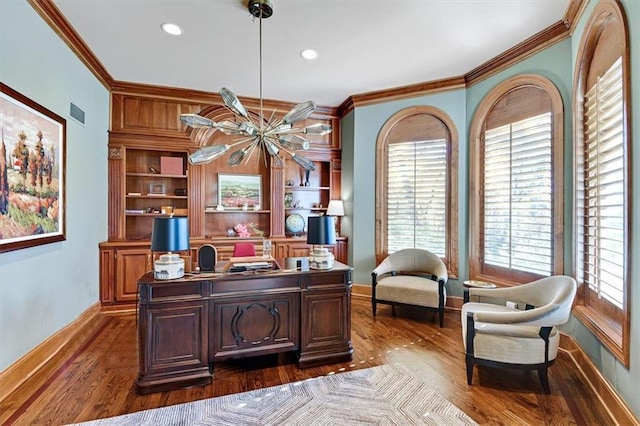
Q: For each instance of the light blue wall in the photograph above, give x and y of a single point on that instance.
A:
(557, 63)
(359, 166)
(44, 288)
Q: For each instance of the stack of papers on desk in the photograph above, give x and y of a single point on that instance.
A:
(252, 265)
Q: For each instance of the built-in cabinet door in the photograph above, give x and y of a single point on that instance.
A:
(174, 335)
(326, 319)
(131, 264)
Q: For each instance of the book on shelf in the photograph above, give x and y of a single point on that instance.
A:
(134, 193)
(134, 211)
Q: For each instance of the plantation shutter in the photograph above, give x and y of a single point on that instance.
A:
(605, 188)
(416, 196)
(518, 209)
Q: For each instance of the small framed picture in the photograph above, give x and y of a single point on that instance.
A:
(157, 189)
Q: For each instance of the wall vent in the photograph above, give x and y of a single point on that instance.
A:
(76, 113)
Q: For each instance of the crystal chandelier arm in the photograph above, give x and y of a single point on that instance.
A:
(299, 112)
(207, 154)
(320, 129)
(233, 103)
(294, 142)
(196, 121)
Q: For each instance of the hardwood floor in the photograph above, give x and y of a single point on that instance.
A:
(98, 380)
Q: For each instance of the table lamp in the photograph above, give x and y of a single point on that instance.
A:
(321, 231)
(336, 209)
(169, 234)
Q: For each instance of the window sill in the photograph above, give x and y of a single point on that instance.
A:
(609, 333)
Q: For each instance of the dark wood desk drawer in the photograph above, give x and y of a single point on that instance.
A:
(247, 326)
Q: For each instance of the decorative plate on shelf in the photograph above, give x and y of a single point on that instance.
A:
(294, 224)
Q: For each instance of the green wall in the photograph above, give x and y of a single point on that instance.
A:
(557, 63)
(44, 288)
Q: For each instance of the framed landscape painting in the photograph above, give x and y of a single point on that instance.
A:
(32, 172)
(235, 191)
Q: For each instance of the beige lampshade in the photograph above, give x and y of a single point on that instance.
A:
(335, 208)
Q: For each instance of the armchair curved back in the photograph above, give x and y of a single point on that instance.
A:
(413, 260)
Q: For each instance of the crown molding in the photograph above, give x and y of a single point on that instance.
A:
(401, 92)
(59, 24)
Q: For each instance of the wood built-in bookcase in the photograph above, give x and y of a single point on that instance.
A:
(146, 131)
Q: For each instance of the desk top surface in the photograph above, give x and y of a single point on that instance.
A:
(285, 266)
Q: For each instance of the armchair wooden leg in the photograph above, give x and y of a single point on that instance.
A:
(544, 378)
(374, 305)
(441, 316)
(393, 310)
(469, 361)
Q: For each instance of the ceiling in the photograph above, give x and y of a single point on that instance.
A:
(363, 45)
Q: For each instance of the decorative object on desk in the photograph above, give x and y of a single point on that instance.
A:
(235, 191)
(32, 206)
(294, 224)
(267, 245)
(275, 137)
(231, 232)
(169, 234)
(207, 258)
(157, 189)
(335, 209)
(288, 199)
(321, 232)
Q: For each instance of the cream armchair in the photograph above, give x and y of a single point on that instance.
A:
(524, 337)
(410, 277)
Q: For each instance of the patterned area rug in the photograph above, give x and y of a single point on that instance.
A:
(383, 395)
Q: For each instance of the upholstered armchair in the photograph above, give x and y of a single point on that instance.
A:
(410, 277)
(515, 327)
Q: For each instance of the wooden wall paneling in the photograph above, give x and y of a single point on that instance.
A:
(107, 273)
(116, 173)
(196, 202)
(277, 200)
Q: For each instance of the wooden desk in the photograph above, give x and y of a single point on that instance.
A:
(185, 325)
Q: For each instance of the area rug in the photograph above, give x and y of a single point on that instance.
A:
(383, 395)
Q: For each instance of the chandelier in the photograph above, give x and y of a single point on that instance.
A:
(275, 137)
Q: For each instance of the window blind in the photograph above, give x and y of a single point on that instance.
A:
(416, 195)
(517, 184)
(605, 194)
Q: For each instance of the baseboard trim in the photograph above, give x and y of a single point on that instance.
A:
(616, 406)
(51, 353)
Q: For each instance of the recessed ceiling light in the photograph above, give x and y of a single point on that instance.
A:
(309, 54)
(170, 28)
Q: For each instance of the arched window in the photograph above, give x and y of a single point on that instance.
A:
(516, 188)
(416, 184)
(603, 187)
